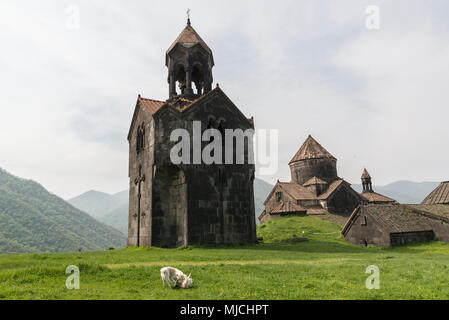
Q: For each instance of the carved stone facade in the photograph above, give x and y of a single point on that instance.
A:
(182, 204)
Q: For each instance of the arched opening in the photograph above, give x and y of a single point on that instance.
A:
(180, 79)
(198, 78)
(169, 219)
(140, 141)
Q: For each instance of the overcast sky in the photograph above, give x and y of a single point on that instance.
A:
(373, 98)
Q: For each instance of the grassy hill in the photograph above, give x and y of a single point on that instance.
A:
(113, 209)
(325, 267)
(34, 220)
(284, 230)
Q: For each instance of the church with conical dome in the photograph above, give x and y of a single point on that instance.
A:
(178, 204)
(314, 188)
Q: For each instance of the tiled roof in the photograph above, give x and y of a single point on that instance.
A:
(314, 181)
(297, 191)
(183, 104)
(393, 218)
(376, 197)
(188, 38)
(150, 105)
(438, 196)
(180, 103)
(288, 207)
(440, 210)
(190, 103)
(332, 187)
(365, 174)
(311, 149)
(262, 215)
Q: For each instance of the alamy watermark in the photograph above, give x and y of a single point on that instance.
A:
(72, 281)
(372, 21)
(229, 146)
(72, 21)
(373, 281)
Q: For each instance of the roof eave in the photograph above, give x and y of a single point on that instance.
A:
(349, 221)
(311, 158)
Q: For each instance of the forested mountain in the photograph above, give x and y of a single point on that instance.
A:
(34, 220)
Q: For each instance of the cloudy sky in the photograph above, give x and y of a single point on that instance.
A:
(71, 72)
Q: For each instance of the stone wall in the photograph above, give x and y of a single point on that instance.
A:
(439, 227)
(191, 203)
(272, 202)
(365, 231)
(343, 201)
(303, 170)
(398, 239)
(169, 215)
(145, 159)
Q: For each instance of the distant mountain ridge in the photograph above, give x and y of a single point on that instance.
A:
(113, 209)
(406, 192)
(34, 220)
(110, 209)
(96, 203)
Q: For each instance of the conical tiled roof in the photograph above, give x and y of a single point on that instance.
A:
(438, 196)
(189, 38)
(311, 149)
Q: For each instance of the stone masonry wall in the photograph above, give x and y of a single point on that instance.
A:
(146, 160)
(220, 198)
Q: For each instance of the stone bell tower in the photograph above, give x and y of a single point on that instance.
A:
(189, 61)
(172, 203)
(366, 182)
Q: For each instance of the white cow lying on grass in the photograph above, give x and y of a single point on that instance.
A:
(169, 274)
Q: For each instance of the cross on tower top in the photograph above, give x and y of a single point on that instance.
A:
(188, 16)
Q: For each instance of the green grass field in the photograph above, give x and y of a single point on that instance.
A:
(325, 267)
